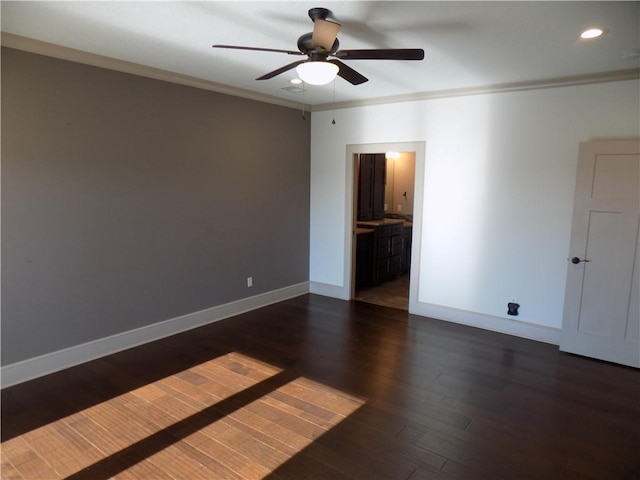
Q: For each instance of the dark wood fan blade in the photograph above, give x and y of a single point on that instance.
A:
(381, 54)
(280, 70)
(258, 49)
(348, 73)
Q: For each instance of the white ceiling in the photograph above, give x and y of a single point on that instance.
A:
(467, 44)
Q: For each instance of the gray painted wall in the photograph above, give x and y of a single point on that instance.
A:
(127, 201)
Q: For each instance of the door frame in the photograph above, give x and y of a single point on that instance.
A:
(351, 206)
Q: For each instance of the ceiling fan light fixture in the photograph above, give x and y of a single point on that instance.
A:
(318, 72)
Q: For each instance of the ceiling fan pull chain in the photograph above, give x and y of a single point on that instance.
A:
(333, 122)
(303, 102)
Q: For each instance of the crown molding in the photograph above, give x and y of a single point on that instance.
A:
(79, 56)
(65, 53)
(600, 77)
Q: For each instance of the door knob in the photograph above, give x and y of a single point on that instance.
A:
(576, 260)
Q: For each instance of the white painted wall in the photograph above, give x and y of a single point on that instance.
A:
(497, 196)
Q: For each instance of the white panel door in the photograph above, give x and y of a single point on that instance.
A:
(601, 312)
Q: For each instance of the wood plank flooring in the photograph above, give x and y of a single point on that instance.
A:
(325, 389)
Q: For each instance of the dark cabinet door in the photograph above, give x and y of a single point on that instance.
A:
(364, 259)
(379, 183)
(406, 249)
(372, 177)
(365, 188)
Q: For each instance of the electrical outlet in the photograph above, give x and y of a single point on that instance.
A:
(512, 308)
(249, 282)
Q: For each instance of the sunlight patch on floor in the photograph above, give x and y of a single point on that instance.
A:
(172, 429)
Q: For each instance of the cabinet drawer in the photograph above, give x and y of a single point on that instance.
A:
(389, 246)
(396, 229)
(384, 230)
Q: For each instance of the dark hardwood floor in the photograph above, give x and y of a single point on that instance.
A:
(320, 388)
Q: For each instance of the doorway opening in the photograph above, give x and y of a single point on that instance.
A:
(384, 223)
(386, 227)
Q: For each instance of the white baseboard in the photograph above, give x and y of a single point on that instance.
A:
(532, 331)
(517, 328)
(327, 290)
(55, 361)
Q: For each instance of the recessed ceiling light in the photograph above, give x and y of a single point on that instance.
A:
(592, 33)
(295, 81)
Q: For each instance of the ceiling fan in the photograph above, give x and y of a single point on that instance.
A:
(322, 43)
